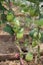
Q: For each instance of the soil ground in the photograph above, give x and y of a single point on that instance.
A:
(7, 46)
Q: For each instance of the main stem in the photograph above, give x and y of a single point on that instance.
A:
(38, 44)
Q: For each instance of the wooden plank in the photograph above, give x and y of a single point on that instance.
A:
(11, 56)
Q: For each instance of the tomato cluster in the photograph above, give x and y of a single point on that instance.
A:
(16, 25)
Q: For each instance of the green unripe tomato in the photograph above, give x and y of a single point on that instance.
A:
(39, 35)
(16, 29)
(10, 17)
(34, 43)
(22, 11)
(35, 34)
(29, 57)
(16, 22)
(20, 34)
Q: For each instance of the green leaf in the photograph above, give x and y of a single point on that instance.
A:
(2, 7)
(3, 17)
(39, 22)
(8, 29)
(34, 1)
(32, 32)
(41, 36)
(33, 11)
(22, 5)
(2, 0)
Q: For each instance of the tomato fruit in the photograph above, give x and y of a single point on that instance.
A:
(16, 22)
(16, 29)
(20, 34)
(39, 35)
(34, 43)
(35, 34)
(10, 17)
(29, 57)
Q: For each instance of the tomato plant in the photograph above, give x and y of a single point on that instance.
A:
(31, 14)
